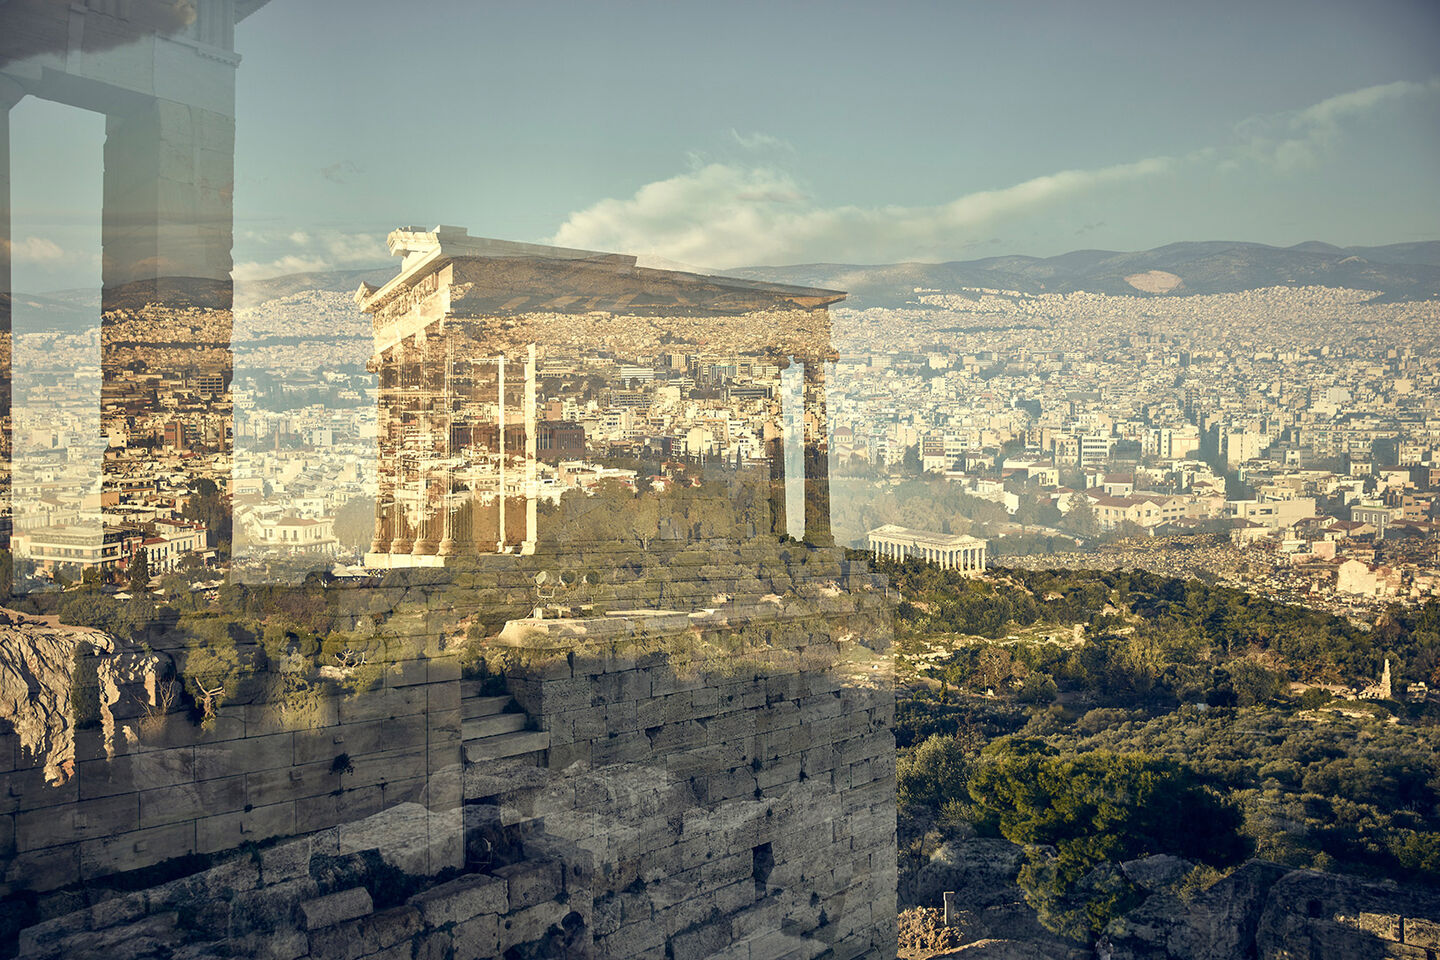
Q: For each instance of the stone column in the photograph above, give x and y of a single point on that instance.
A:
(447, 450)
(817, 454)
(381, 536)
(428, 535)
(403, 541)
(169, 175)
(775, 453)
(165, 233)
(531, 452)
(10, 94)
(503, 493)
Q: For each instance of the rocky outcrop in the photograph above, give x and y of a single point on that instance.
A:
(38, 657)
(1217, 924)
(1261, 911)
(1325, 916)
(37, 660)
(1266, 912)
(980, 870)
(986, 903)
(1011, 950)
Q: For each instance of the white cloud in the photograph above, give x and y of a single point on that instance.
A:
(275, 255)
(758, 141)
(1301, 137)
(37, 250)
(726, 215)
(738, 214)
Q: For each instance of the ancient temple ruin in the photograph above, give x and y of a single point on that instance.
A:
(459, 332)
(163, 75)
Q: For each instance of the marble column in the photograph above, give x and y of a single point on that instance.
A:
(817, 454)
(503, 494)
(10, 94)
(775, 453)
(531, 456)
(403, 540)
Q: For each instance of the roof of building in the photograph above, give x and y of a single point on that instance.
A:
(589, 287)
(926, 538)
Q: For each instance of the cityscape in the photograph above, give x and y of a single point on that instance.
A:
(383, 576)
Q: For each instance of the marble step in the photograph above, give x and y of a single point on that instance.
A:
(492, 725)
(472, 707)
(506, 745)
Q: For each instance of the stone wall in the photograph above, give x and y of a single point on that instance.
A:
(342, 894)
(716, 783)
(166, 786)
(729, 782)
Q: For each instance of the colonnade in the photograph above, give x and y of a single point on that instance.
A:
(432, 429)
(966, 554)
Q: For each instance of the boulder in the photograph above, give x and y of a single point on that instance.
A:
(1217, 924)
(1156, 872)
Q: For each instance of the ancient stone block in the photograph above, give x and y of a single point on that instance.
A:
(1422, 932)
(185, 801)
(700, 942)
(477, 937)
(288, 861)
(328, 810)
(139, 848)
(269, 908)
(530, 924)
(530, 882)
(228, 830)
(336, 908)
(253, 753)
(290, 782)
(462, 899)
(365, 936)
(327, 743)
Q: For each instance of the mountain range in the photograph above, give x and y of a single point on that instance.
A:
(1398, 271)
(1395, 272)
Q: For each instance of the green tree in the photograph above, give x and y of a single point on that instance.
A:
(1081, 520)
(355, 523)
(139, 572)
(1094, 809)
(934, 772)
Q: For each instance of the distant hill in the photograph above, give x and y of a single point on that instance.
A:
(1401, 271)
(1397, 271)
(251, 292)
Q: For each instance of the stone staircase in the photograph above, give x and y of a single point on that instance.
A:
(493, 729)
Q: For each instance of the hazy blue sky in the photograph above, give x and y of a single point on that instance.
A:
(738, 133)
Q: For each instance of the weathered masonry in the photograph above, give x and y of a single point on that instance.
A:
(652, 783)
(163, 75)
(458, 334)
(694, 758)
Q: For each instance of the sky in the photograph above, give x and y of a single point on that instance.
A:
(723, 135)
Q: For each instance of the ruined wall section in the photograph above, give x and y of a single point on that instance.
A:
(245, 778)
(728, 782)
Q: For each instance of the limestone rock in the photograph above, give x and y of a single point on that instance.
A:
(37, 657)
(981, 871)
(1218, 923)
(1156, 872)
(1007, 950)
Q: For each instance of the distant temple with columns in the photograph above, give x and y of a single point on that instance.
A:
(457, 336)
(948, 551)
